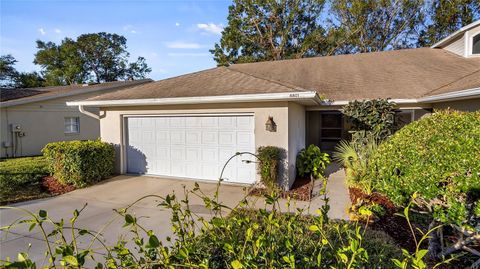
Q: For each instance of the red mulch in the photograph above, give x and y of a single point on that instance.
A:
(53, 186)
(390, 223)
(301, 190)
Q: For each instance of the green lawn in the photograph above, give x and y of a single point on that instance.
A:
(21, 179)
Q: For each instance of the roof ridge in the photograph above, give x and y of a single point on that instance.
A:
(284, 84)
(450, 83)
(340, 55)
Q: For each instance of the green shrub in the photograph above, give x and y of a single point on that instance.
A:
(80, 163)
(312, 162)
(438, 158)
(354, 158)
(375, 116)
(268, 166)
(21, 172)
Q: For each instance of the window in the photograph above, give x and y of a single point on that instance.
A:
(476, 44)
(72, 125)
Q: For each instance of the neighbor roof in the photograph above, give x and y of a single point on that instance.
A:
(9, 97)
(399, 74)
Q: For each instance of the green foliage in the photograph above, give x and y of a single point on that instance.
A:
(11, 78)
(100, 56)
(438, 158)
(270, 30)
(372, 25)
(21, 173)
(268, 166)
(447, 16)
(354, 157)
(375, 116)
(312, 162)
(80, 163)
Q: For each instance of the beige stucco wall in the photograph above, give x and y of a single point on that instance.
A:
(296, 136)
(111, 125)
(462, 105)
(43, 122)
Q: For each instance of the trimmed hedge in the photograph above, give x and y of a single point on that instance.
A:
(21, 172)
(437, 157)
(80, 163)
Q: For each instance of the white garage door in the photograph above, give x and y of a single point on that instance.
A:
(194, 147)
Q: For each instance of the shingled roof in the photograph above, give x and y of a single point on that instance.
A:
(400, 74)
(12, 96)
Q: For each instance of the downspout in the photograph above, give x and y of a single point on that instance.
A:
(88, 113)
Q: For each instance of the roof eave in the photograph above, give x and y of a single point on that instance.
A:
(309, 97)
(452, 96)
(457, 33)
(41, 97)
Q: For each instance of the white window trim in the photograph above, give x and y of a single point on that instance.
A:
(77, 123)
(469, 35)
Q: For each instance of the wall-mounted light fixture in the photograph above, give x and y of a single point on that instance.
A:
(270, 125)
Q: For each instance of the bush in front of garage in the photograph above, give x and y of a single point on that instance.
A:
(80, 163)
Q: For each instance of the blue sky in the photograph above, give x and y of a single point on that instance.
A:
(174, 36)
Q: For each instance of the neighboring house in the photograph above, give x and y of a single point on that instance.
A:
(31, 118)
(188, 126)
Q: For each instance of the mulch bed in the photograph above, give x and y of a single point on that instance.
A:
(394, 225)
(53, 186)
(301, 190)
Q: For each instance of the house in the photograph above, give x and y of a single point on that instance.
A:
(31, 118)
(189, 126)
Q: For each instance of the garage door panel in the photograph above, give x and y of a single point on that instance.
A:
(227, 138)
(210, 155)
(245, 123)
(209, 122)
(177, 153)
(193, 137)
(227, 123)
(191, 146)
(193, 154)
(210, 137)
(177, 137)
(163, 137)
(177, 122)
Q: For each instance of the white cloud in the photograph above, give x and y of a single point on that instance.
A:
(42, 31)
(183, 45)
(58, 31)
(130, 29)
(211, 28)
(188, 54)
(177, 24)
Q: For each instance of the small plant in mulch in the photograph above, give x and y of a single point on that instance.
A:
(54, 187)
(382, 215)
(301, 190)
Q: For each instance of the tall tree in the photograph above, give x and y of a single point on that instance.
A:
(8, 73)
(100, 57)
(11, 78)
(62, 63)
(260, 30)
(374, 25)
(447, 16)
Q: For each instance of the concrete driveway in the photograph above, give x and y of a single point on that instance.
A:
(102, 198)
(122, 191)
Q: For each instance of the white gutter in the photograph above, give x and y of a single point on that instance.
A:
(267, 97)
(450, 96)
(88, 113)
(342, 103)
